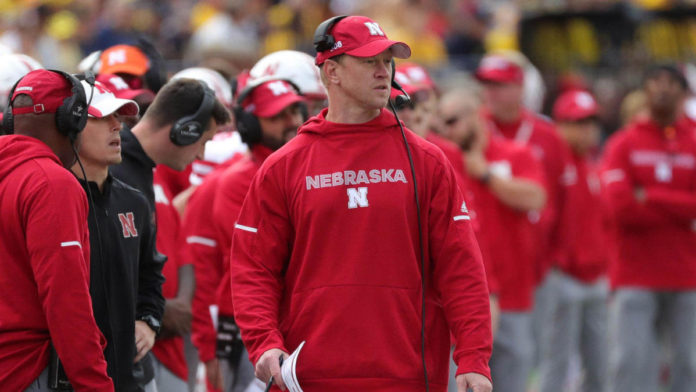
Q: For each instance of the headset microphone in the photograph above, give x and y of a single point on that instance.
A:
(401, 100)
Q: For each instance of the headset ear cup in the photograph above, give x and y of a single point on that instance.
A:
(304, 110)
(248, 126)
(324, 41)
(7, 121)
(185, 132)
(71, 116)
(188, 129)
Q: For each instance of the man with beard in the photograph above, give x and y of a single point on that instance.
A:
(649, 175)
(507, 182)
(268, 115)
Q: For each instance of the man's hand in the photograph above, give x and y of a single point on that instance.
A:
(144, 339)
(212, 371)
(176, 320)
(268, 366)
(474, 382)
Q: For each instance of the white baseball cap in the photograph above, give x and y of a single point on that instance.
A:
(214, 80)
(105, 102)
(297, 67)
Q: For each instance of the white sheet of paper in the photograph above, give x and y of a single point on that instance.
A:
(289, 370)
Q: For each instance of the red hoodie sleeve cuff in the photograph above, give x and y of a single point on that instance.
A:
(474, 364)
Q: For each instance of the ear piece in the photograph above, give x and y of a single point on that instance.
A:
(324, 41)
(7, 119)
(188, 129)
(401, 100)
(71, 116)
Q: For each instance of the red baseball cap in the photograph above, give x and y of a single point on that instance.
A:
(417, 74)
(499, 69)
(121, 89)
(412, 78)
(125, 59)
(270, 98)
(575, 106)
(47, 89)
(360, 36)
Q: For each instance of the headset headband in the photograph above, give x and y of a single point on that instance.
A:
(324, 41)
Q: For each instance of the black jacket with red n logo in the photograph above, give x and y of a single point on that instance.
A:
(125, 275)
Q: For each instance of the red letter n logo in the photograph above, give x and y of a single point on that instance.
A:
(128, 225)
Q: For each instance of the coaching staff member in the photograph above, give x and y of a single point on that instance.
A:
(121, 241)
(327, 246)
(44, 242)
(182, 118)
(649, 177)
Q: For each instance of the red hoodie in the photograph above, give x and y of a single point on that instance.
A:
(44, 271)
(656, 239)
(326, 251)
(509, 234)
(541, 137)
(212, 213)
(169, 351)
(583, 225)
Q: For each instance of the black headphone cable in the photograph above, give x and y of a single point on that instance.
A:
(420, 236)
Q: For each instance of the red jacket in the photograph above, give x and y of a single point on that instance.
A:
(541, 137)
(451, 150)
(456, 158)
(201, 246)
(655, 240)
(583, 225)
(326, 250)
(169, 351)
(509, 232)
(44, 271)
(206, 246)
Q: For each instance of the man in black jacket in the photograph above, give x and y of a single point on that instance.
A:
(125, 270)
(183, 117)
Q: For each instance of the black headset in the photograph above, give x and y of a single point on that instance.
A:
(323, 40)
(71, 115)
(247, 123)
(188, 129)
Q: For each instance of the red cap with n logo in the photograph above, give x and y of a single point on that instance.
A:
(360, 36)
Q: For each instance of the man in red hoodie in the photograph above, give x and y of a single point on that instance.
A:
(44, 241)
(507, 183)
(502, 76)
(209, 224)
(578, 283)
(649, 177)
(334, 246)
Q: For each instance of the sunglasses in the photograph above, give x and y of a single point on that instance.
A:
(452, 120)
